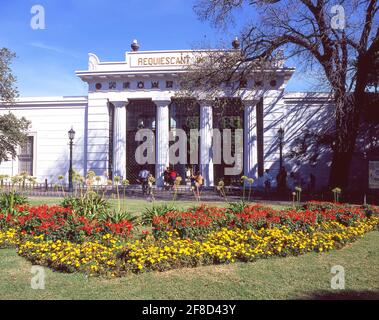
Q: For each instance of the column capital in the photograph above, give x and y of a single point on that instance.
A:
(119, 104)
(248, 103)
(206, 102)
(162, 103)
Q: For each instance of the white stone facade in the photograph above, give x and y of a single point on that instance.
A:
(102, 135)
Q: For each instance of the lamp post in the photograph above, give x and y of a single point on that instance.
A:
(71, 136)
(281, 177)
(281, 138)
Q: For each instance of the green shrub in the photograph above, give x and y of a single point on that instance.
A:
(116, 216)
(159, 210)
(9, 199)
(236, 207)
(91, 205)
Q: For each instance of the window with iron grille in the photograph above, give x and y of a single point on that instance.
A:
(25, 158)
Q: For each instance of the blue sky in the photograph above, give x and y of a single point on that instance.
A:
(47, 59)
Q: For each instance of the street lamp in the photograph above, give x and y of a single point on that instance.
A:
(282, 175)
(71, 136)
(281, 138)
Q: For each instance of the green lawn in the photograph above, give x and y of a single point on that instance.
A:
(137, 205)
(307, 276)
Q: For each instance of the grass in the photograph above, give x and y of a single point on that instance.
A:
(302, 277)
(138, 205)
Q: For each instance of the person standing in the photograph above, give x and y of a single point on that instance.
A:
(150, 182)
(173, 175)
(166, 178)
(143, 176)
(198, 182)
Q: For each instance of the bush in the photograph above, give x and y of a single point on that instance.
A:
(155, 211)
(8, 200)
(235, 207)
(91, 205)
(59, 223)
(116, 216)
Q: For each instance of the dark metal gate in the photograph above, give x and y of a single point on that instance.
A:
(185, 115)
(228, 114)
(140, 114)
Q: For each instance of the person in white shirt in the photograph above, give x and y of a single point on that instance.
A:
(143, 179)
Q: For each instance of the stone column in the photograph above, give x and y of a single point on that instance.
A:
(162, 140)
(119, 140)
(206, 128)
(250, 139)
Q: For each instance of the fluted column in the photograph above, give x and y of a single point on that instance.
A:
(206, 128)
(250, 139)
(162, 140)
(119, 140)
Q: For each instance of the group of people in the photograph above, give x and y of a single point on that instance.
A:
(146, 179)
(170, 175)
(169, 178)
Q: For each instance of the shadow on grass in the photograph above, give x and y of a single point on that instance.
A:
(344, 295)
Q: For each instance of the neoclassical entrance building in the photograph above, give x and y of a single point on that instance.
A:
(140, 93)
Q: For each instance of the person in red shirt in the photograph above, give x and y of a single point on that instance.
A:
(173, 175)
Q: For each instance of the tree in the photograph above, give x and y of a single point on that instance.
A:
(340, 40)
(13, 131)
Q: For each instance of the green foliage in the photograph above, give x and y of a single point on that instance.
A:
(9, 199)
(157, 210)
(12, 130)
(91, 205)
(116, 216)
(236, 207)
(8, 90)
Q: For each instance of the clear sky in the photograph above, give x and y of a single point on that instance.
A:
(47, 59)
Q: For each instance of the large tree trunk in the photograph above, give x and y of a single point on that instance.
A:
(348, 111)
(347, 124)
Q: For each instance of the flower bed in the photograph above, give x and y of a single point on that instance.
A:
(56, 222)
(223, 246)
(200, 221)
(9, 238)
(56, 237)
